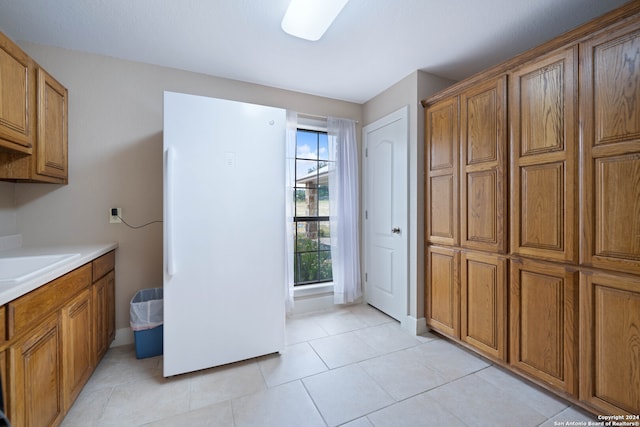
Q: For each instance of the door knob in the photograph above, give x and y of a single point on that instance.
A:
(395, 230)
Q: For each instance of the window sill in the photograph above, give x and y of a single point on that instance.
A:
(313, 290)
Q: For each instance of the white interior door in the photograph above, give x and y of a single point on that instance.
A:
(386, 222)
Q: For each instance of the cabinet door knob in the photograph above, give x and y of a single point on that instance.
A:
(395, 230)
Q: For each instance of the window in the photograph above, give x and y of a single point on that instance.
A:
(312, 253)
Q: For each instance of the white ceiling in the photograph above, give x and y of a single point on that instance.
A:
(371, 45)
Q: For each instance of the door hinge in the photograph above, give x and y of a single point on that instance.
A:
(366, 277)
(366, 152)
(366, 214)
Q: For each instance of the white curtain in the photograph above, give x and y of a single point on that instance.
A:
(344, 210)
(290, 171)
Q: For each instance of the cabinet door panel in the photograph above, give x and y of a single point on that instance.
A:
(16, 90)
(111, 307)
(35, 377)
(483, 188)
(443, 294)
(543, 157)
(541, 109)
(77, 346)
(481, 218)
(617, 206)
(610, 332)
(443, 135)
(104, 314)
(543, 332)
(541, 218)
(442, 208)
(484, 303)
(610, 114)
(100, 317)
(441, 192)
(481, 123)
(51, 149)
(616, 88)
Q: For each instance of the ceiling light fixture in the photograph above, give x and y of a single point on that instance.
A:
(309, 19)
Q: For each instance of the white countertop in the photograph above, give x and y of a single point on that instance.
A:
(87, 254)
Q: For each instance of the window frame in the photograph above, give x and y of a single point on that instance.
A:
(321, 254)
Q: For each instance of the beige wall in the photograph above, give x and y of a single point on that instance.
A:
(115, 155)
(8, 217)
(410, 91)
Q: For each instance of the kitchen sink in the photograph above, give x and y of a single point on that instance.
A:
(17, 269)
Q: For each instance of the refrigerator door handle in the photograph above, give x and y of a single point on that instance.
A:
(170, 159)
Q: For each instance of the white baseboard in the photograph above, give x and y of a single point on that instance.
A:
(124, 336)
(313, 303)
(414, 325)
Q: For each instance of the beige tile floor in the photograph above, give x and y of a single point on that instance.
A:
(353, 366)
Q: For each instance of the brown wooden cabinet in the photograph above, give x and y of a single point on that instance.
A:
(50, 161)
(17, 96)
(51, 347)
(443, 290)
(483, 166)
(35, 376)
(77, 346)
(483, 303)
(543, 301)
(442, 173)
(610, 114)
(38, 153)
(543, 157)
(610, 342)
(574, 200)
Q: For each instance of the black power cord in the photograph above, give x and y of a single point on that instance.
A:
(136, 227)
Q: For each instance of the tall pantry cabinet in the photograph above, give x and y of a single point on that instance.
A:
(610, 201)
(543, 314)
(532, 213)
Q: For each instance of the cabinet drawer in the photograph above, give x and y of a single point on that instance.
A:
(33, 306)
(103, 265)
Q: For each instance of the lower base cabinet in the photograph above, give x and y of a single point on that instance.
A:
(49, 349)
(544, 323)
(573, 331)
(610, 342)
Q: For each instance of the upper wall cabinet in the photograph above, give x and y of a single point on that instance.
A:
(610, 114)
(51, 149)
(483, 157)
(17, 110)
(442, 172)
(38, 103)
(543, 152)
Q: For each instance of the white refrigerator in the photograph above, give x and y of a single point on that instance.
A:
(224, 231)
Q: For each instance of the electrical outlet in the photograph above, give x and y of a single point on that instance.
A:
(115, 219)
